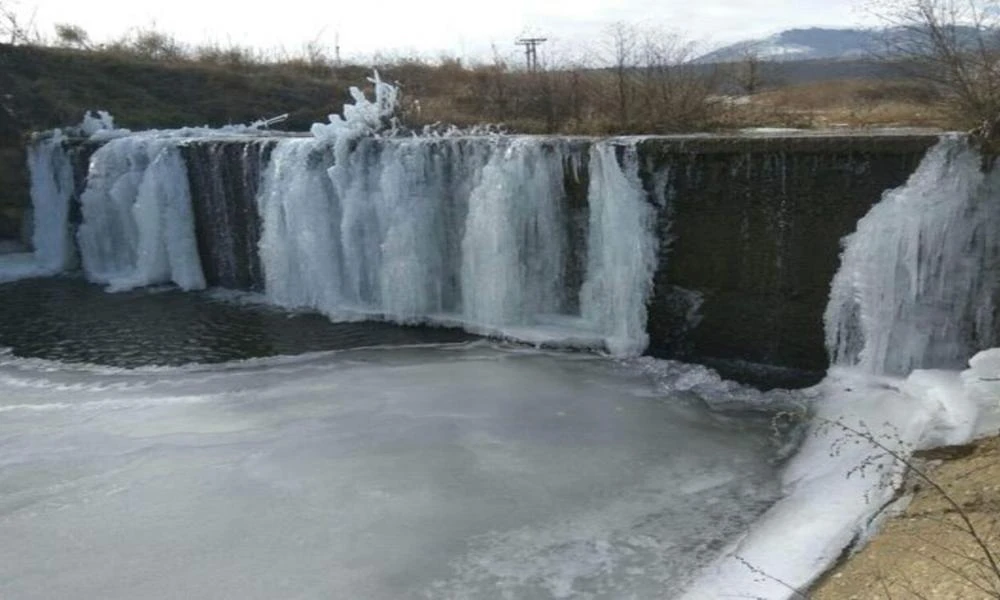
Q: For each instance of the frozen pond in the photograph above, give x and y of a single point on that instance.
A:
(461, 470)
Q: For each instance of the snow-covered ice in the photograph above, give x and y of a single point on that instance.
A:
(839, 481)
(468, 471)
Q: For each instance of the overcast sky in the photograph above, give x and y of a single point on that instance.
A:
(432, 27)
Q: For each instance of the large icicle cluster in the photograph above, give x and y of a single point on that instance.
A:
(137, 225)
(915, 288)
(620, 265)
(359, 223)
(452, 231)
(51, 191)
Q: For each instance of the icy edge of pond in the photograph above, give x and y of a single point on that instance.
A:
(839, 482)
(548, 332)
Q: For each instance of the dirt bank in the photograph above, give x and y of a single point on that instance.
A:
(926, 552)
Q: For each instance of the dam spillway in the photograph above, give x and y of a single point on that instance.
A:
(751, 228)
(746, 231)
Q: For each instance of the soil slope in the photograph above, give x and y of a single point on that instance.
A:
(926, 553)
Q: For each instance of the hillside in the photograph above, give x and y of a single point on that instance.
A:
(818, 43)
(48, 87)
(801, 44)
(42, 88)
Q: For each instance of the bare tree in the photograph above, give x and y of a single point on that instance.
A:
(675, 91)
(15, 28)
(623, 42)
(954, 45)
(748, 72)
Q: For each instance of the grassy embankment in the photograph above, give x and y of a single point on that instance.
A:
(41, 88)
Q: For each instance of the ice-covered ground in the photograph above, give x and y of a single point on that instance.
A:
(458, 471)
(839, 481)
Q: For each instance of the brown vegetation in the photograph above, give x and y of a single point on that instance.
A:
(635, 80)
(860, 103)
(927, 553)
(953, 46)
(54, 86)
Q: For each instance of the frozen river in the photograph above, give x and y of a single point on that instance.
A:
(447, 470)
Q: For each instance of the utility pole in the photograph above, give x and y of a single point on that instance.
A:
(531, 51)
(336, 47)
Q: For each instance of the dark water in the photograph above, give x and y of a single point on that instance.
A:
(70, 320)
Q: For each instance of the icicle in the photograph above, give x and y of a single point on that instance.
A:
(472, 232)
(514, 247)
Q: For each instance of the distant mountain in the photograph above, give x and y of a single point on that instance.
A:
(817, 43)
(802, 44)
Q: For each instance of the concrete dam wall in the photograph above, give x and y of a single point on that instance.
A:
(751, 231)
(747, 230)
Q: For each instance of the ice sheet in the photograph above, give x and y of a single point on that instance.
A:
(839, 481)
(440, 472)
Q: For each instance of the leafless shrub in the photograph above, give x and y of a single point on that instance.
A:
(72, 36)
(954, 45)
(17, 26)
(148, 43)
(231, 55)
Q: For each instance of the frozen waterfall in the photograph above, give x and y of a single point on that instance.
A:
(622, 257)
(51, 191)
(52, 187)
(471, 231)
(916, 294)
(138, 227)
(918, 287)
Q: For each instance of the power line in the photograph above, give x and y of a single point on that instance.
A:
(531, 51)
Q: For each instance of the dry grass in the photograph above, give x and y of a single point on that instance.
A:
(926, 553)
(860, 103)
(648, 83)
(147, 79)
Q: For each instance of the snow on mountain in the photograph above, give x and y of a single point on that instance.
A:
(801, 44)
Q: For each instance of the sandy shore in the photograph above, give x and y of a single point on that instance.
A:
(926, 552)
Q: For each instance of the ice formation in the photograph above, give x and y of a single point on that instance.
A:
(621, 254)
(357, 223)
(137, 225)
(429, 472)
(469, 232)
(51, 190)
(838, 482)
(362, 117)
(99, 121)
(912, 291)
